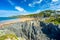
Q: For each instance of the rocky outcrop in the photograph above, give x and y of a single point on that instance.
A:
(34, 30)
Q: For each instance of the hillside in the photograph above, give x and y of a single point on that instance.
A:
(45, 13)
(50, 16)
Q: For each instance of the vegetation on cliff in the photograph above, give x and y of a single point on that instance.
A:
(8, 36)
(46, 13)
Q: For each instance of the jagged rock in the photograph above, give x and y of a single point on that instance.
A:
(34, 30)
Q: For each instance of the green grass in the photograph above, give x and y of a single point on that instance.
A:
(56, 21)
(11, 36)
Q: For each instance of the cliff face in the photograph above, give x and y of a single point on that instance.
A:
(34, 30)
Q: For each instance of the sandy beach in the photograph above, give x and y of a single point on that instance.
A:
(15, 20)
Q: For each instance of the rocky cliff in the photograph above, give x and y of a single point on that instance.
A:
(34, 30)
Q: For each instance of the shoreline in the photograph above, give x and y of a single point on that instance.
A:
(7, 22)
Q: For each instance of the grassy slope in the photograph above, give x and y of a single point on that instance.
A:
(11, 36)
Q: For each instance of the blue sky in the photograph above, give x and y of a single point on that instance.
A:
(23, 7)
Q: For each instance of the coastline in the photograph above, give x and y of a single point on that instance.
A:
(7, 22)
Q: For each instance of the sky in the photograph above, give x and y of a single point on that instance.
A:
(23, 7)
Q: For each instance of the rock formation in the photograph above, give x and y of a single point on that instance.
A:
(34, 30)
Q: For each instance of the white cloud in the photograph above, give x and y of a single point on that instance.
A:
(31, 5)
(10, 2)
(17, 7)
(37, 11)
(35, 2)
(38, 1)
(55, 7)
(6, 13)
(20, 9)
(54, 0)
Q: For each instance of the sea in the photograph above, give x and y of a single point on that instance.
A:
(5, 19)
